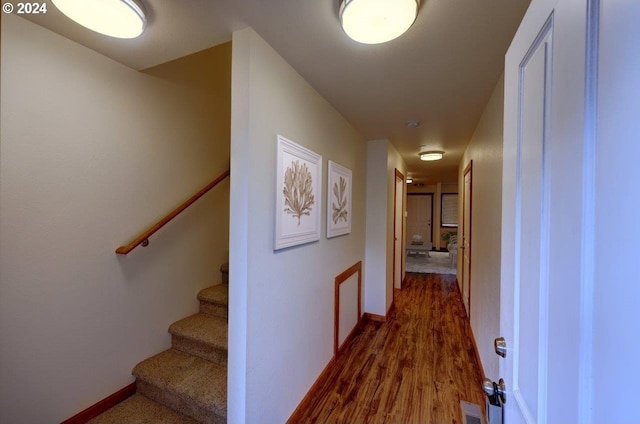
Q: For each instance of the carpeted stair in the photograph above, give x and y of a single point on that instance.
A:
(188, 383)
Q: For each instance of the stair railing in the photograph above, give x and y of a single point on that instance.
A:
(143, 238)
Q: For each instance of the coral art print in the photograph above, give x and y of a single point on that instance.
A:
(339, 204)
(298, 194)
(298, 190)
(339, 200)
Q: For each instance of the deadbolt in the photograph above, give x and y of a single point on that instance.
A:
(500, 345)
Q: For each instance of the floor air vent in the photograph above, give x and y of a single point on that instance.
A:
(471, 413)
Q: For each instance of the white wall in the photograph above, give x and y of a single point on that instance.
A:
(281, 303)
(485, 149)
(382, 161)
(91, 153)
(616, 299)
(375, 265)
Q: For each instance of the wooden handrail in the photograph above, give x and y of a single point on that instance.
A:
(143, 239)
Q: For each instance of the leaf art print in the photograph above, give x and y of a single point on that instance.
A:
(338, 200)
(340, 212)
(298, 190)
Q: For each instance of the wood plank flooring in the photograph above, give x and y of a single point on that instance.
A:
(414, 368)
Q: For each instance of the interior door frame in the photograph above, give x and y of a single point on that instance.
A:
(467, 170)
(431, 217)
(398, 175)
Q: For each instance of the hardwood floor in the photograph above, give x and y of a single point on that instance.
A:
(414, 368)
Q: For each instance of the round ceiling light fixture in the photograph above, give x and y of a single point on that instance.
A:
(377, 21)
(413, 124)
(115, 18)
(430, 156)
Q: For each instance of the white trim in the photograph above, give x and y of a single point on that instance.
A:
(526, 412)
(587, 277)
(545, 228)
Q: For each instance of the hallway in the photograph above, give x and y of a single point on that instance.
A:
(414, 368)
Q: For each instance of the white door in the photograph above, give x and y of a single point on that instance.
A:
(466, 240)
(543, 236)
(398, 254)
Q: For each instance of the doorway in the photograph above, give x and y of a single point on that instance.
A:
(467, 199)
(398, 230)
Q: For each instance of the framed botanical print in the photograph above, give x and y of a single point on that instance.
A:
(338, 200)
(298, 194)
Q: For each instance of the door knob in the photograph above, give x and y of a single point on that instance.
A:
(499, 389)
(500, 345)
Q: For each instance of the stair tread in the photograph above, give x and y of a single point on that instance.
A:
(204, 328)
(187, 376)
(215, 294)
(139, 409)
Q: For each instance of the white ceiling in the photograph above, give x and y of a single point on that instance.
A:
(441, 72)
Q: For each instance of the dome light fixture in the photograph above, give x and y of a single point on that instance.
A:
(377, 21)
(115, 18)
(431, 156)
(409, 180)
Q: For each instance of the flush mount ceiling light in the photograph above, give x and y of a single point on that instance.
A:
(409, 180)
(413, 124)
(377, 21)
(429, 156)
(115, 18)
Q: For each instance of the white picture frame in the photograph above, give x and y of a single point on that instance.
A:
(298, 194)
(338, 200)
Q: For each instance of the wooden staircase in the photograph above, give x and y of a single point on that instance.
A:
(187, 383)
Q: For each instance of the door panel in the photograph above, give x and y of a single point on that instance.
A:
(531, 228)
(542, 197)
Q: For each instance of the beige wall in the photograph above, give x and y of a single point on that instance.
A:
(485, 150)
(428, 188)
(91, 153)
(281, 302)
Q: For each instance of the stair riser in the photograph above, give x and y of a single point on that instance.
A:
(196, 348)
(214, 309)
(184, 405)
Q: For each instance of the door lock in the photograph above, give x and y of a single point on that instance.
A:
(495, 391)
(500, 345)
